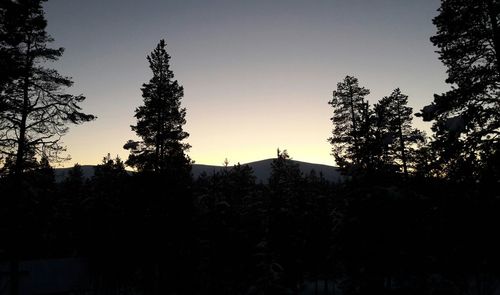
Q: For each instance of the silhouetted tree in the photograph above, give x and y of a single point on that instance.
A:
(67, 226)
(426, 165)
(160, 120)
(466, 118)
(8, 67)
(109, 185)
(35, 109)
(9, 55)
(351, 122)
(317, 225)
(109, 168)
(75, 177)
(284, 173)
(164, 181)
(287, 202)
(30, 163)
(45, 172)
(397, 136)
(108, 222)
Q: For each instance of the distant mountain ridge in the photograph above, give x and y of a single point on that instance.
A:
(261, 169)
(62, 173)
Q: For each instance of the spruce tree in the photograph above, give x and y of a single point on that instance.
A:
(164, 179)
(34, 109)
(159, 121)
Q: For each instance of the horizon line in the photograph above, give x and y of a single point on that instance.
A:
(231, 164)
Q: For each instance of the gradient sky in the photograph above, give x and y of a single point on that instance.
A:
(257, 74)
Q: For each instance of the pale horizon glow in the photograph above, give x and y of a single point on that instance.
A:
(257, 75)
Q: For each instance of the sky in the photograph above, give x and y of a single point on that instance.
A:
(257, 75)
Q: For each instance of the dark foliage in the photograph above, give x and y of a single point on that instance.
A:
(466, 118)
(229, 235)
(370, 140)
(410, 218)
(395, 138)
(160, 121)
(351, 119)
(34, 110)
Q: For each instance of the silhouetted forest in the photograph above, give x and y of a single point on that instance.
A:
(415, 213)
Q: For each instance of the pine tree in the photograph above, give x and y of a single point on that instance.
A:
(160, 120)
(351, 120)
(34, 110)
(397, 136)
(9, 55)
(466, 118)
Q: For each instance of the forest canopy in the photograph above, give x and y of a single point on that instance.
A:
(415, 213)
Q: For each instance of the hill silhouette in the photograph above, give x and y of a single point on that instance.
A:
(261, 169)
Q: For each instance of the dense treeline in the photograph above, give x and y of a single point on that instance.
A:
(413, 215)
(225, 234)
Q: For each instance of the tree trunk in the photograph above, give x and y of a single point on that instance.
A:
(492, 13)
(18, 170)
(403, 152)
(402, 142)
(159, 153)
(354, 127)
(157, 145)
(21, 142)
